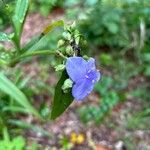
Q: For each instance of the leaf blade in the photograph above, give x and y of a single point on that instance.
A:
(52, 26)
(7, 87)
(19, 16)
(37, 42)
(61, 100)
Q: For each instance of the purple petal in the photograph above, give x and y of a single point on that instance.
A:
(82, 88)
(93, 75)
(98, 76)
(90, 65)
(76, 68)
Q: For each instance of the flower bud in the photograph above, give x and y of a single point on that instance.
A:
(67, 35)
(77, 36)
(67, 85)
(73, 26)
(86, 57)
(60, 43)
(69, 50)
(67, 28)
(59, 67)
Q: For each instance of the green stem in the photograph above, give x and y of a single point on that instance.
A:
(35, 53)
(16, 43)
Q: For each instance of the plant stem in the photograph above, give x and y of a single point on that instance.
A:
(35, 53)
(16, 42)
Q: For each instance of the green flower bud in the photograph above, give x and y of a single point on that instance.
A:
(67, 35)
(60, 43)
(69, 50)
(86, 57)
(67, 85)
(67, 28)
(59, 67)
(77, 36)
(73, 26)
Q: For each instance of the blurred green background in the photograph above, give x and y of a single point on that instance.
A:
(118, 36)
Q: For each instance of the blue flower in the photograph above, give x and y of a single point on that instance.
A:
(83, 74)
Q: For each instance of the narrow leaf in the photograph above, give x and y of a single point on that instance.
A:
(9, 88)
(52, 26)
(32, 42)
(15, 109)
(19, 16)
(61, 100)
(39, 40)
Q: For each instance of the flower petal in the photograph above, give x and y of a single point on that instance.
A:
(98, 76)
(90, 65)
(93, 75)
(76, 68)
(82, 88)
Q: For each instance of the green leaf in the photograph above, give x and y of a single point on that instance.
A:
(33, 41)
(15, 109)
(9, 88)
(37, 42)
(19, 16)
(52, 26)
(61, 100)
(4, 37)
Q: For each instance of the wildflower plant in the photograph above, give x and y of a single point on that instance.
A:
(79, 73)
